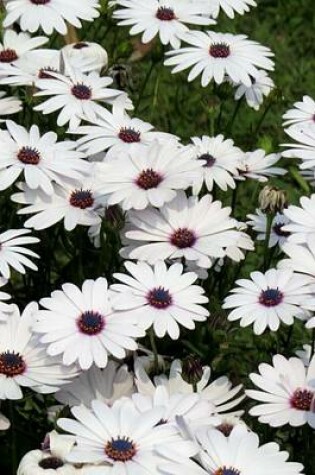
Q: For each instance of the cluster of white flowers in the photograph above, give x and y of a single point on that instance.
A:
(76, 342)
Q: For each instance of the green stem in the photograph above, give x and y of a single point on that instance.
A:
(143, 85)
(270, 217)
(14, 463)
(313, 342)
(262, 118)
(230, 124)
(154, 349)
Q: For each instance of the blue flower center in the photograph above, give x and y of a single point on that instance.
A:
(159, 298)
(270, 297)
(121, 449)
(11, 364)
(91, 323)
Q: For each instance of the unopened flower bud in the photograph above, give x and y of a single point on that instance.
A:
(272, 199)
(86, 56)
(192, 370)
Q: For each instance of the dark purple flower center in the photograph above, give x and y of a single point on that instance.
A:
(121, 449)
(183, 238)
(91, 323)
(29, 156)
(303, 400)
(44, 73)
(227, 471)
(80, 45)
(11, 364)
(51, 463)
(40, 2)
(277, 229)
(82, 92)
(270, 297)
(8, 55)
(129, 135)
(81, 199)
(209, 159)
(219, 50)
(148, 179)
(165, 14)
(159, 298)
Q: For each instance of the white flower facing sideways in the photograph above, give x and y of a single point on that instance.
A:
(286, 391)
(301, 224)
(77, 95)
(219, 158)
(52, 458)
(85, 56)
(77, 204)
(219, 393)
(24, 361)
(304, 149)
(121, 440)
(148, 175)
(237, 454)
(254, 94)
(219, 56)
(117, 132)
(41, 159)
(14, 254)
(230, 7)
(49, 15)
(268, 299)
(107, 385)
(278, 236)
(166, 18)
(176, 230)
(15, 45)
(161, 297)
(259, 166)
(9, 105)
(81, 325)
(302, 115)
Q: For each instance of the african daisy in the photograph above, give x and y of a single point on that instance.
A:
(302, 114)
(14, 254)
(15, 45)
(257, 165)
(278, 236)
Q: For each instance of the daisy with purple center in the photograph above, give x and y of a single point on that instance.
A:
(270, 298)
(286, 390)
(278, 235)
(176, 231)
(217, 56)
(162, 297)
(257, 165)
(15, 45)
(166, 18)
(81, 325)
(254, 94)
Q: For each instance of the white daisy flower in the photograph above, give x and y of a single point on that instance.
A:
(196, 411)
(287, 392)
(162, 297)
(301, 221)
(238, 454)
(42, 159)
(166, 18)
(9, 105)
(301, 258)
(107, 385)
(121, 440)
(4, 307)
(219, 56)
(12, 254)
(37, 462)
(77, 204)
(221, 159)
(82, 326)
(305, 354)
(148, 175)
(259, 166)
(15, 45)
(31, 67)
(176, 231)
(77, 95)
(304, 149)
(260, 87)
(230, 7)
(24, 362)
(118, 132)
(49, 15)
(278, 236)
(268, 299)
(86, 56)
(219, 393)
(302, 114)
